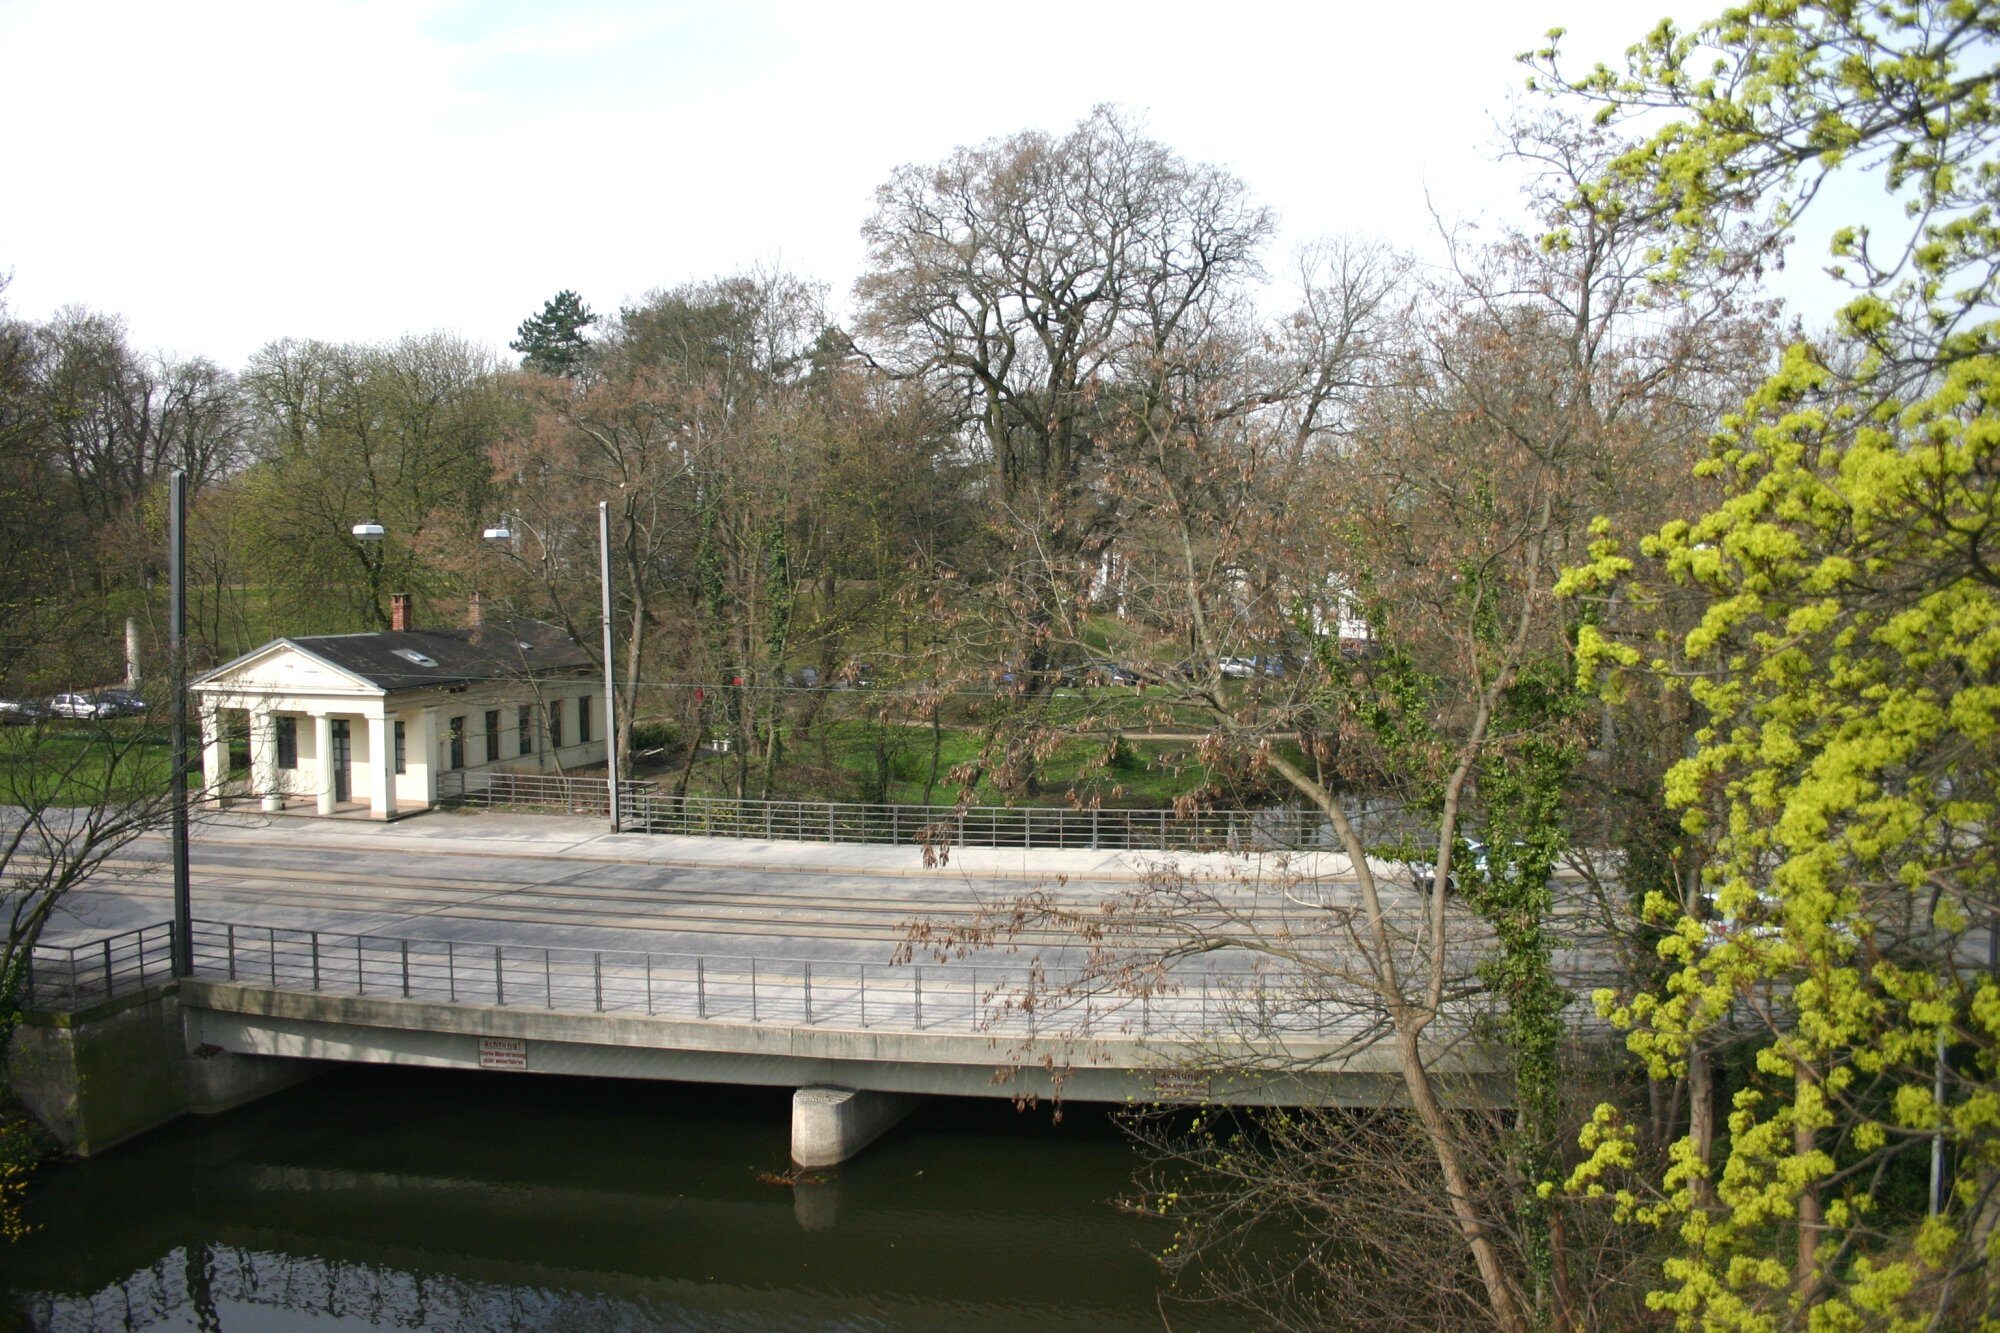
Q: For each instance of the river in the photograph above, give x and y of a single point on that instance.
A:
(376, 1198)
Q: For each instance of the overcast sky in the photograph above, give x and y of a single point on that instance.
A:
(223, 174)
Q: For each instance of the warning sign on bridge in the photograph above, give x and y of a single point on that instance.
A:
(503, 1053)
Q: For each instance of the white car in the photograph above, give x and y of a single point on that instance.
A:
(81, 705)
(1763, 921)
(1236, 668)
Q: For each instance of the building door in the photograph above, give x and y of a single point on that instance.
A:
(343, 755)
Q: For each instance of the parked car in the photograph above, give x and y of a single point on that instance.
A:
(122, 702)
(20, 712)
(81, 705)
(1083, 674)
(1762, 919)
(1236, 668)
(855, 676)
(1475, 851)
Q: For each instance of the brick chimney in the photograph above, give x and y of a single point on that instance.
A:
(399, 611)
(472, 612)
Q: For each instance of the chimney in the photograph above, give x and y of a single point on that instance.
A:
(472, 612)
(399, 611)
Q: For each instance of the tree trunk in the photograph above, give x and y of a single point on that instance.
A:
(1436, 1123)
(1701, 1121)
(1811, 1210)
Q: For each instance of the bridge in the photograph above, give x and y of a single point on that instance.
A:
(525, 944)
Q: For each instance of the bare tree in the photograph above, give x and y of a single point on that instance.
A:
(1036, 276)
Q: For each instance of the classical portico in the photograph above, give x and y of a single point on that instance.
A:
(368, 724)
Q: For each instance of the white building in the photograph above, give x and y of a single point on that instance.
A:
(384, 722)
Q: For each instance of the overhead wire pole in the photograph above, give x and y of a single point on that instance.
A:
(610, 679)
(177, 650)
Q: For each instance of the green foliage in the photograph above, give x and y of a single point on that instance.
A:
(552, 342)
(1847, 662)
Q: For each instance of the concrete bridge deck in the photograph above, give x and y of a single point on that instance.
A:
(544, 944)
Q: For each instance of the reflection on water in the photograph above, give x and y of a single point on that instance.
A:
(414, 1199)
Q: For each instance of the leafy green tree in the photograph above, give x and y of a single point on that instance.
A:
(552, 342)
(1846, 664)
(398, 434)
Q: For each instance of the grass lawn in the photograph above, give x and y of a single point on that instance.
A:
(74, 763)
(842, 761)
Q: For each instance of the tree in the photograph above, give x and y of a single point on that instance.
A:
(347, 433)
(1841, 787)
(1038, 278)
(552, 342)
(1431, 474)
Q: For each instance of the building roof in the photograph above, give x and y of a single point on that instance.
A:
(416, 659)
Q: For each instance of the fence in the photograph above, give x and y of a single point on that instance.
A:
(644, 809)
(542, 791)
(916, 997)
(79, 976)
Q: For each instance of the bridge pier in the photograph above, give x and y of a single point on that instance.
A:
(830, 1125)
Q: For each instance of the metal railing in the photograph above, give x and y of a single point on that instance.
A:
(539, 791)
(962, 996)
(645, 809)
(80, 976)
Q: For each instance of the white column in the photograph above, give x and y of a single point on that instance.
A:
(214, 752)
(382, 767)
(425, 746)
(323, 759)
(264, 756)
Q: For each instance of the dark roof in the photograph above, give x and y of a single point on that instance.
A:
(497, 650)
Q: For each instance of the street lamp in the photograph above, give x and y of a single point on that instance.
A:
(177, 650)
(610, 682)
(501, 534)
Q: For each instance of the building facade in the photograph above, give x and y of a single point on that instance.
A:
(380, 722)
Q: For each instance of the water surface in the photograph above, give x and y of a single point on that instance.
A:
(420, 1199)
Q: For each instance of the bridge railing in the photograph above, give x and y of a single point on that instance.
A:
(73, 977)
(645, 809)
(960, 996)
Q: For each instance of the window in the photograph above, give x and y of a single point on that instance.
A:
(457, 759)
(492, 735)
(288, 742)
(524, 723)
(555, 724)
(583, 720)
(399, 747)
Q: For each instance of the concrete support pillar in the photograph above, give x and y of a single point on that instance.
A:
(214, 752)
(323, 760)
(382, 767)
(830, 1125)
(264, 757)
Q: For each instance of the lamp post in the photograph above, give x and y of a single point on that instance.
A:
(610, 680)
(177, 650)
(499, 534)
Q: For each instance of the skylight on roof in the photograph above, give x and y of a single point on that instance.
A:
(412, 655)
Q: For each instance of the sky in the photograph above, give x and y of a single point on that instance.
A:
(222, 173)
